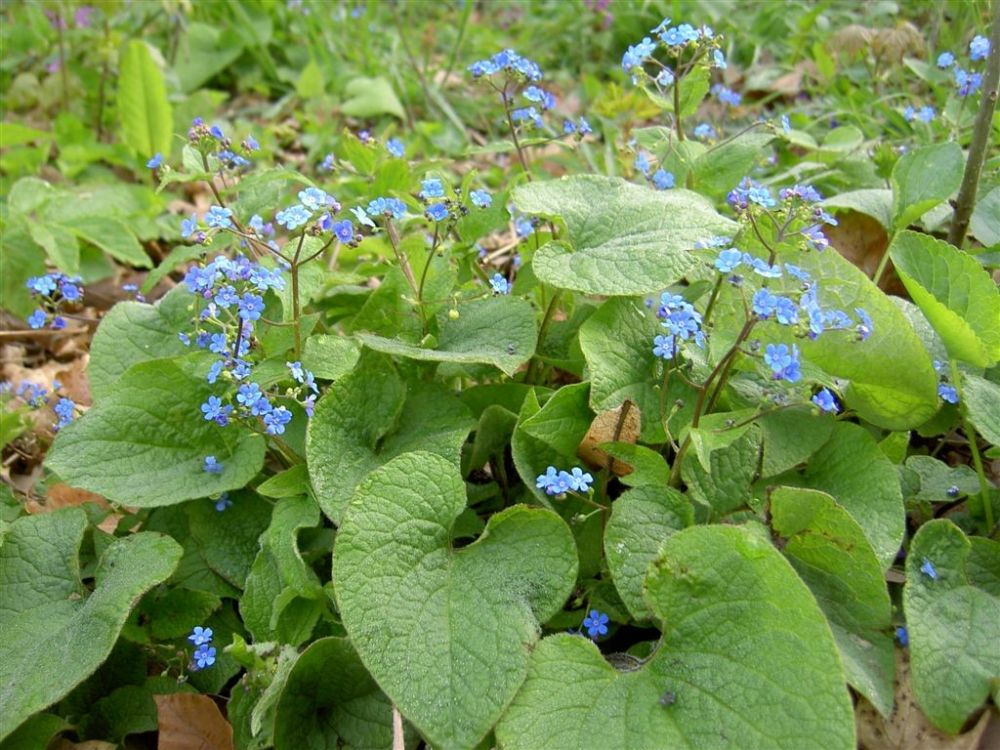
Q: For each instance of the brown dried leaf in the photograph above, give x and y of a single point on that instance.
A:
(852, 39)
(621, 425)
(189, 721)
(908, 728)
(863, 241)
(895, 44)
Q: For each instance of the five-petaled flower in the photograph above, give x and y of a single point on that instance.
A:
(596, 624)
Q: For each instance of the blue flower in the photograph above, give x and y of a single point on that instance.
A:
(728, 260)
(362, 217)
(189, 226)
(797, 273)
(276, 419)
(315, 199)
(38, 319)
(802, 192)
(155, 162)
(70, 291)
(642, 163)
(217, 133)
(218, 343)
(211, 465)
(596, 624)
(638, 52)
(481, 198)
(865, 325)
(928, 569)
(815, 237)
(664, 346)
(786, 312)
(437, 212)
(395, 147)
(947, 393)
(344, 231)
(704, 131)
(293, 217)
(250, 144)
(945, 60)
(719, 59)
(499, 284)
(327, 164)
(200, 635)
(902, 636)
(248, 394)
(761, 268)
(215, 370)
(968, 83)
(295, 368)
(726, 95)
(227, 297)
(527, 114)
(663, 180)
(214, 410)
(261, 407)
(583, 127)
(43, 285)
(543, 481)
(764, 304)
(826, 401)
(223, 502)
(784, 362)
(579, 480)
(219, 217)
(747, 192)
(909, 114)
(64, 410)
(251, 306)
(926, 114)
(204, 656)
(387, 207)
(979, 48)
(786, 124)
(665, 78)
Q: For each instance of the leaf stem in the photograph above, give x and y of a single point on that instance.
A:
(970, 434)
(542, 331)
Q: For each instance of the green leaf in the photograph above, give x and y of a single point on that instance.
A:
(113, 237)
(143, 106)
(30, 193)
(893, 383)
(228, 542)
(283, 598)
(984, 224)
(724, 485)
(35, 733)
(936, 477)
(205, 51)
(922, 179)
(956, 294)
(330, 357)
(982, 401)
(550, 435)
(498, 331)
(790, 437)
(369, 418)
(15, 134)
(311, 83)
(370, 97)
(873, 202)
(59, 244)
(626, 239)
(288, 483)
(134, 332)
(718, 170)
(641, 520)
(954, 627)
(829, 551)
(851, 467)
(446, 633)
(145, 444)
(617, 342)
(54, 635)
(746, 660)
(329, 700)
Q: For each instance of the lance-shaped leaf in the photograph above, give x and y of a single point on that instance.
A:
(624, 239)
(953, 619)
(143, 106)
(746, 660)
(446, 633)
(829, 551)
(145, 444)
(956, 294)
(54, 634)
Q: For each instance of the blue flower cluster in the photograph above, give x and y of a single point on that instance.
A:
(204, 653)
(509, 62)
(499, 284)
(966, 82)
(556, 482)
(726, 95)
(683, 323)
(661, 178)
(54, 291)
(212, 141)
(35, 396)
(676, 41)
(924, 114)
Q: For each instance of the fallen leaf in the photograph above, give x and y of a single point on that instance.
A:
(863, 241)
(908, 728)
(621, 425)
(189, 721)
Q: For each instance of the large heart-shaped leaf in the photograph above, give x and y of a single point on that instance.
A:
(446, 633)
(145, 444)
(624, 239)
(953, 619)
(956, 294)
(922, 179)
(829, 551)
(746, 660)
(371, 416)
(54, 635)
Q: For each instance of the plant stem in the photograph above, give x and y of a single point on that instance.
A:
(677, 109)
(295, 296)
(980, 137)
(970, 434)
(542, 330)
(513, 134)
